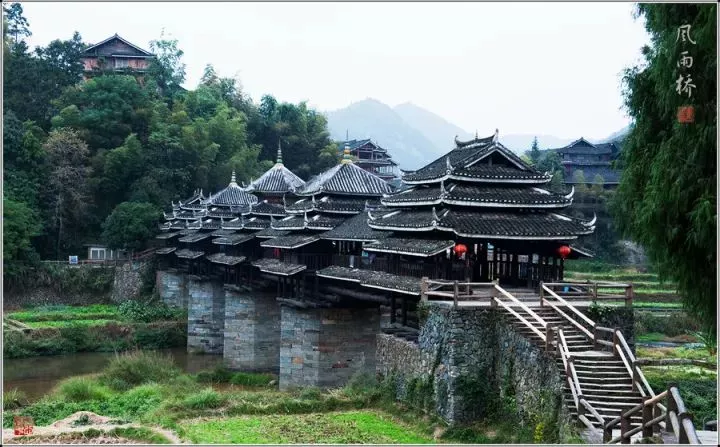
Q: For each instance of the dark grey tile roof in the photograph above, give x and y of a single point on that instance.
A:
(168, 235)
(583, 147)
(232, 195)
(187, 231)
(256, 223)
(356, 144)
(266, 209)
(165, 250)
(291, 242)
(332, 204)
(234, 239)
(222, 232)
(276, 180)
(178, 225)
(188, 254)
(354, 229)
(317, 222)
(376, 280)
(222, 258)
(465, 155)
(412, 247)
(218, 213)
(476, 195)
(269, 233)
(278, 267)
(498, 225)
(499, 174)
(346, 179)
(195, 237)
(210, 224)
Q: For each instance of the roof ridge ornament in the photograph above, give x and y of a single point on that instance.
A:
(284, 202)
(435, 216)
(571, 193)
(370, 215)
(592, 222)
(443, 192)
(305, 219)
(495, 137)
(448, 166)
(367, 205)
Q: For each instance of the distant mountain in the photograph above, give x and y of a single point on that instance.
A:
(373, 119)
(616, 136)
(435, 128)
(415, 136)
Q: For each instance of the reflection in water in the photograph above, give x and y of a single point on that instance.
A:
(36, 376)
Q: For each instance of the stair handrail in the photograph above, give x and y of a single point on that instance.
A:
(522, 305)
(653, 416)
(544, 300)
(520, 317)
(638, 378)
(574, 383)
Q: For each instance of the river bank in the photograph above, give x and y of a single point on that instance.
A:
(218, 406)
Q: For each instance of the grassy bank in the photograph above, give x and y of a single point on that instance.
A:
(646, 285)
(224, 407)
(52, 330)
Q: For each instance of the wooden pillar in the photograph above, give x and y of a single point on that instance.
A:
(562, 269)
(529, 270)
(393, 308)
(404, 311)
(514, 270)
(555, 269)
(495, 263)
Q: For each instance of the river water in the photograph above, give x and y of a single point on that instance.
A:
(37, 376)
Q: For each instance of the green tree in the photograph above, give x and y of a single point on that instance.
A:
(66, 189)
(535, 152)
(597, 187)
(550, 163)
(17, 25)
(106, 110)
(167, 68)
(667, 195)
(580, 181)
(131, 225)
(20, 224)
(557, 182)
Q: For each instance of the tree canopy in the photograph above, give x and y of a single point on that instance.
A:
(131, 225)
(667, 195)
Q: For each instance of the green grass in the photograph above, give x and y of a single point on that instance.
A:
(66, 313)
(79, 389)
(139, 367)
(675, 353)
(69, 323)
(13, 399)
(361, 427)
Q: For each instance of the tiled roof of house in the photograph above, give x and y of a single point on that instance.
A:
(277, 267)
(276, 180)
(290, 242)
(165, 250)
(497, 225)
(354, 229)
(346, 179)
(411, 247)
(195, 237)
(232, 195)
(376, 280)
(331, 204)
(234, 239)
(189, 254)
(270, 233)
(502, 196)
(222, 258)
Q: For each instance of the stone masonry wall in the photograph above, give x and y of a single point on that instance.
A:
(172, 288)
(206, 316)
(325, 347)
(252, 331)
(465, 358)
(128, 282)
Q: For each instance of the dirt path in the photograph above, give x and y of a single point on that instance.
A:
(65, 431)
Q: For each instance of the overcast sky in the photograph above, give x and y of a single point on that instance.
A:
(551, 68)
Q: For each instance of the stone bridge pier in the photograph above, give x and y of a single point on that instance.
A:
(206, 316)
(172, 288)
(252, 330)
(324, 347)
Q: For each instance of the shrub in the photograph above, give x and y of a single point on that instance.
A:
(138, 367)
(147, 311)
(218, 375)
(80, 389)
(207, 398)
(13, 399)
(672, 324)
(251, 379)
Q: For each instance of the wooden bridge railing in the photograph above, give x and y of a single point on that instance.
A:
(594, 291)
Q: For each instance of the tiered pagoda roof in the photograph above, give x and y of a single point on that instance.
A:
(278, 180)
(333, 206)
(478, 190)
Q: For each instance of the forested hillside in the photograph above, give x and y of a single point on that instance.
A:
(76, 152)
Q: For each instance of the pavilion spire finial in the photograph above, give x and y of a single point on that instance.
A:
(476, 134)
(233, 179)
(279, 154)
(495, 137)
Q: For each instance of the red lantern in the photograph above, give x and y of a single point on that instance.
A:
(460, 249)
(564, 251)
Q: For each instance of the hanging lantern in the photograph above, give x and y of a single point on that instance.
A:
(460, 249)
(564, 251)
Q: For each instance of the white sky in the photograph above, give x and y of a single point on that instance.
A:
(551, 68)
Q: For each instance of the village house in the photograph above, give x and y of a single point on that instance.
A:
(116, 55)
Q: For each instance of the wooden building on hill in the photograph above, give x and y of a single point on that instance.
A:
(592, 160)
(371, 157)
(115, 55)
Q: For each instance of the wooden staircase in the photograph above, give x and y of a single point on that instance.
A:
(605, 388)
(603, 378)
